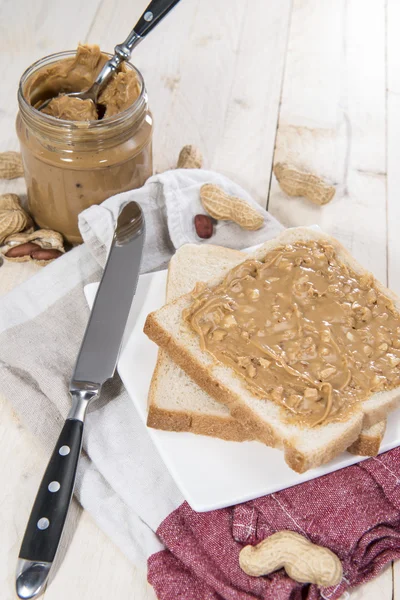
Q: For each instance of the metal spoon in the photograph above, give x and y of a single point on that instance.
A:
(154, 13)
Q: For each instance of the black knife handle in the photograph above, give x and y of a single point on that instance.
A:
(156, 10)
(47, 518)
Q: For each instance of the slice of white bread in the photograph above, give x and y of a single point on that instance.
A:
(304, 447)
(176, 402)
(369, 440)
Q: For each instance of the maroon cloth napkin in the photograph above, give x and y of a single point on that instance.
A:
(355, 512)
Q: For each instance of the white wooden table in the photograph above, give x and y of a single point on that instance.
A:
(248, 82)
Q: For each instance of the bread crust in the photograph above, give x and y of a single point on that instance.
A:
(224, 428)
(368, 443)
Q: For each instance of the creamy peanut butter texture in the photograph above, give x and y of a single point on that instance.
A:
(75, 75)
(303, 330)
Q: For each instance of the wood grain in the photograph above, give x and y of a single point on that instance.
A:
(214, 73)
(29, 31)
(393, 145)
(379, 588)
(333, 120)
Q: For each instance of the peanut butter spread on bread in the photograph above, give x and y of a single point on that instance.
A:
(303, 330)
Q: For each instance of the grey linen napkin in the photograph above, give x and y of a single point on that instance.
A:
(121, 481)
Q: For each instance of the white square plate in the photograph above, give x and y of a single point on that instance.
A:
(210, 473)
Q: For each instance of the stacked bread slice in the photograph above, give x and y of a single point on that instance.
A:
(191, 392)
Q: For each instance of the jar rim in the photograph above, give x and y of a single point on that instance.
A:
(46, 119)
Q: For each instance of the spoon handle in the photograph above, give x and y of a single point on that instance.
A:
(154, 13)
(156, 10)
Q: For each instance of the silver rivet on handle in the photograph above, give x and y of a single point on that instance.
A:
(53, 486)
(43, 523)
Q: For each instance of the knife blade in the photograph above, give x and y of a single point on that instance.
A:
(96, 362)
(101, 343)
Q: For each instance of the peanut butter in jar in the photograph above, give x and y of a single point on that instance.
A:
(72, 158)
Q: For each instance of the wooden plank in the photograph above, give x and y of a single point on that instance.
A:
(396, 580)
(29, 31)
(245, 149)
(94, 568)
(393, 146)
(379, 588)
(332, 121)
(205, 83)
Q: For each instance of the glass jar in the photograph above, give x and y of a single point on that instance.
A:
(70, 165)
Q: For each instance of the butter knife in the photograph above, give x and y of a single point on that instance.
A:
(95, 364)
